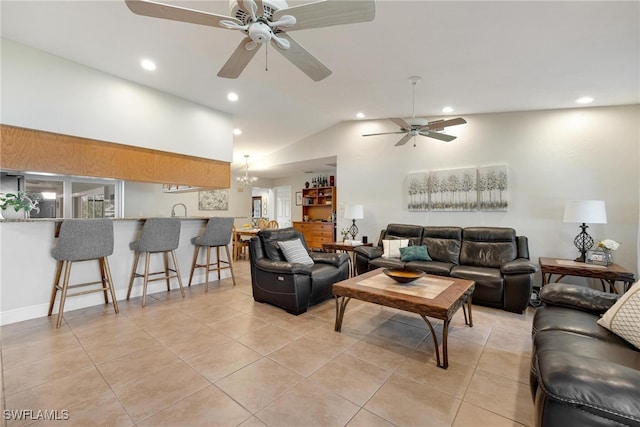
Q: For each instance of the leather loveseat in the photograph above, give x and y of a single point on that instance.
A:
(581, 373)
(494, 257)
(292, 286)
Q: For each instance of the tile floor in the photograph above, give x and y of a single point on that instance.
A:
(221, 359)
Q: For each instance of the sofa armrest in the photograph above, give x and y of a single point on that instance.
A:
(282, 267)
(577, 297)
(519, 266)
(369, 252)
(335, 259)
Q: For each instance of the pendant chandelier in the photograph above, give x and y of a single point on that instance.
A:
(246, 180)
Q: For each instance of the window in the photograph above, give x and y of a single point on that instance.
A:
(68, 197)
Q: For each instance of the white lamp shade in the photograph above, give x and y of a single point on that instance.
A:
(354, 212)
(585, 211)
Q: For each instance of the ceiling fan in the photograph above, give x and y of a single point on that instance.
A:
(267, 20)
(420, 126)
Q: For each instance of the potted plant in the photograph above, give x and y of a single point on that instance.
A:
(17, 205)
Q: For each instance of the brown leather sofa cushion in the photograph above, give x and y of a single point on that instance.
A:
(488, 246)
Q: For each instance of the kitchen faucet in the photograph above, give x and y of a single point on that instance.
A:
(173, 209)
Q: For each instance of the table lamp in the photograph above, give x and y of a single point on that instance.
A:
(583, 211)
(354, 212)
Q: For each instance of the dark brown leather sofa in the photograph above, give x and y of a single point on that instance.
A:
(581, 373)
(291, 286)
(494, 257)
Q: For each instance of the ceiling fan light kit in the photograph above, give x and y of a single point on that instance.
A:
(420, 126)
(264, 21)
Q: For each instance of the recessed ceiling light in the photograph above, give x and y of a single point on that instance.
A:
(237, 131)
(231, 96)
(148, 64)
(584, 100)
(360, 115)
(447, 110)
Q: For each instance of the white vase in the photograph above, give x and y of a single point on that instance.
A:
(12, 214)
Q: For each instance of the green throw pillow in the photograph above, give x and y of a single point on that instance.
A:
(414, 253)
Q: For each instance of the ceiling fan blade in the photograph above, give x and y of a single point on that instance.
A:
(383, 133)
(328, 13)
(302, 59)
(404, 139)
(436, 135)
(238, 60)
(440, 124)
(176, 13)
(401, 122)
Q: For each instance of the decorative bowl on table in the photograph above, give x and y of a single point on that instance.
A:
(403, 275)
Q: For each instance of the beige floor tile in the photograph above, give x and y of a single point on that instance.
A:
(510, 341)
(302, 325)
(127, 341)
(253, 422)
(192, 340)
(154, 392)
(223, 360)
(461, 351)
(61, 393)
(472, 416)
(208, 407)
(508, 398)
(398, 399)
(238, 326)
(258, 384)
(268, 339)
(514, 366)
(363, 322)
(304, 355)
(308, 404)
(365, 418)
(478, 333)
(215, 314)
(28, 351)
(339, 340)
(94, 332)
(31, 331)
(421, 367)
(351, 378)
(401, 333)
(51, 367)
(382, 353)
(103, 411)
(137, 364)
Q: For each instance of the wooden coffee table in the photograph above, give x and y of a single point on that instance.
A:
(434, 296)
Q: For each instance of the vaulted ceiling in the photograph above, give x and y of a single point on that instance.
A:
(477, 57)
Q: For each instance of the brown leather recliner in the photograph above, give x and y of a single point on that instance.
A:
(291, 286)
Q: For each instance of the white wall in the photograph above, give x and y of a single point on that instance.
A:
(553, 156)
(46, 92)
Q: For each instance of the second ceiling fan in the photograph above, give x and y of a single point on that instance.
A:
(264, 21)
(418, 126)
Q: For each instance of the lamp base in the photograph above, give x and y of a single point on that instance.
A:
(353, 230)
(583, 242)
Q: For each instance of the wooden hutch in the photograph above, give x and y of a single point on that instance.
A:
(318, 213)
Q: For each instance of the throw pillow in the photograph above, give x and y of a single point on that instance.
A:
(392, 247)
(414, 253)
(295, 252)
(623, 318)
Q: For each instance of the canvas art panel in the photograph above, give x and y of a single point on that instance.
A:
(453, 190)
(418, 191)
(213, 200)
(493, 188)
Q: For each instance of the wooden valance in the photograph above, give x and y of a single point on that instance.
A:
(24, 150)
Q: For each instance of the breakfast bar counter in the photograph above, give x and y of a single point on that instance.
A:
(27, 268)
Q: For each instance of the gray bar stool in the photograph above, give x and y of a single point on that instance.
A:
(216, 234)
(82, 240)
(159, 235)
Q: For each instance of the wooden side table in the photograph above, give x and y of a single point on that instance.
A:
(341, 246)
(608, 274)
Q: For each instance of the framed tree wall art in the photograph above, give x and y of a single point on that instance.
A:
(493, 188)
(213, 200)
(418, 191)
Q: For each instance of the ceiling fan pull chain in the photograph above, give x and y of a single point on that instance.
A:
(266, 57)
